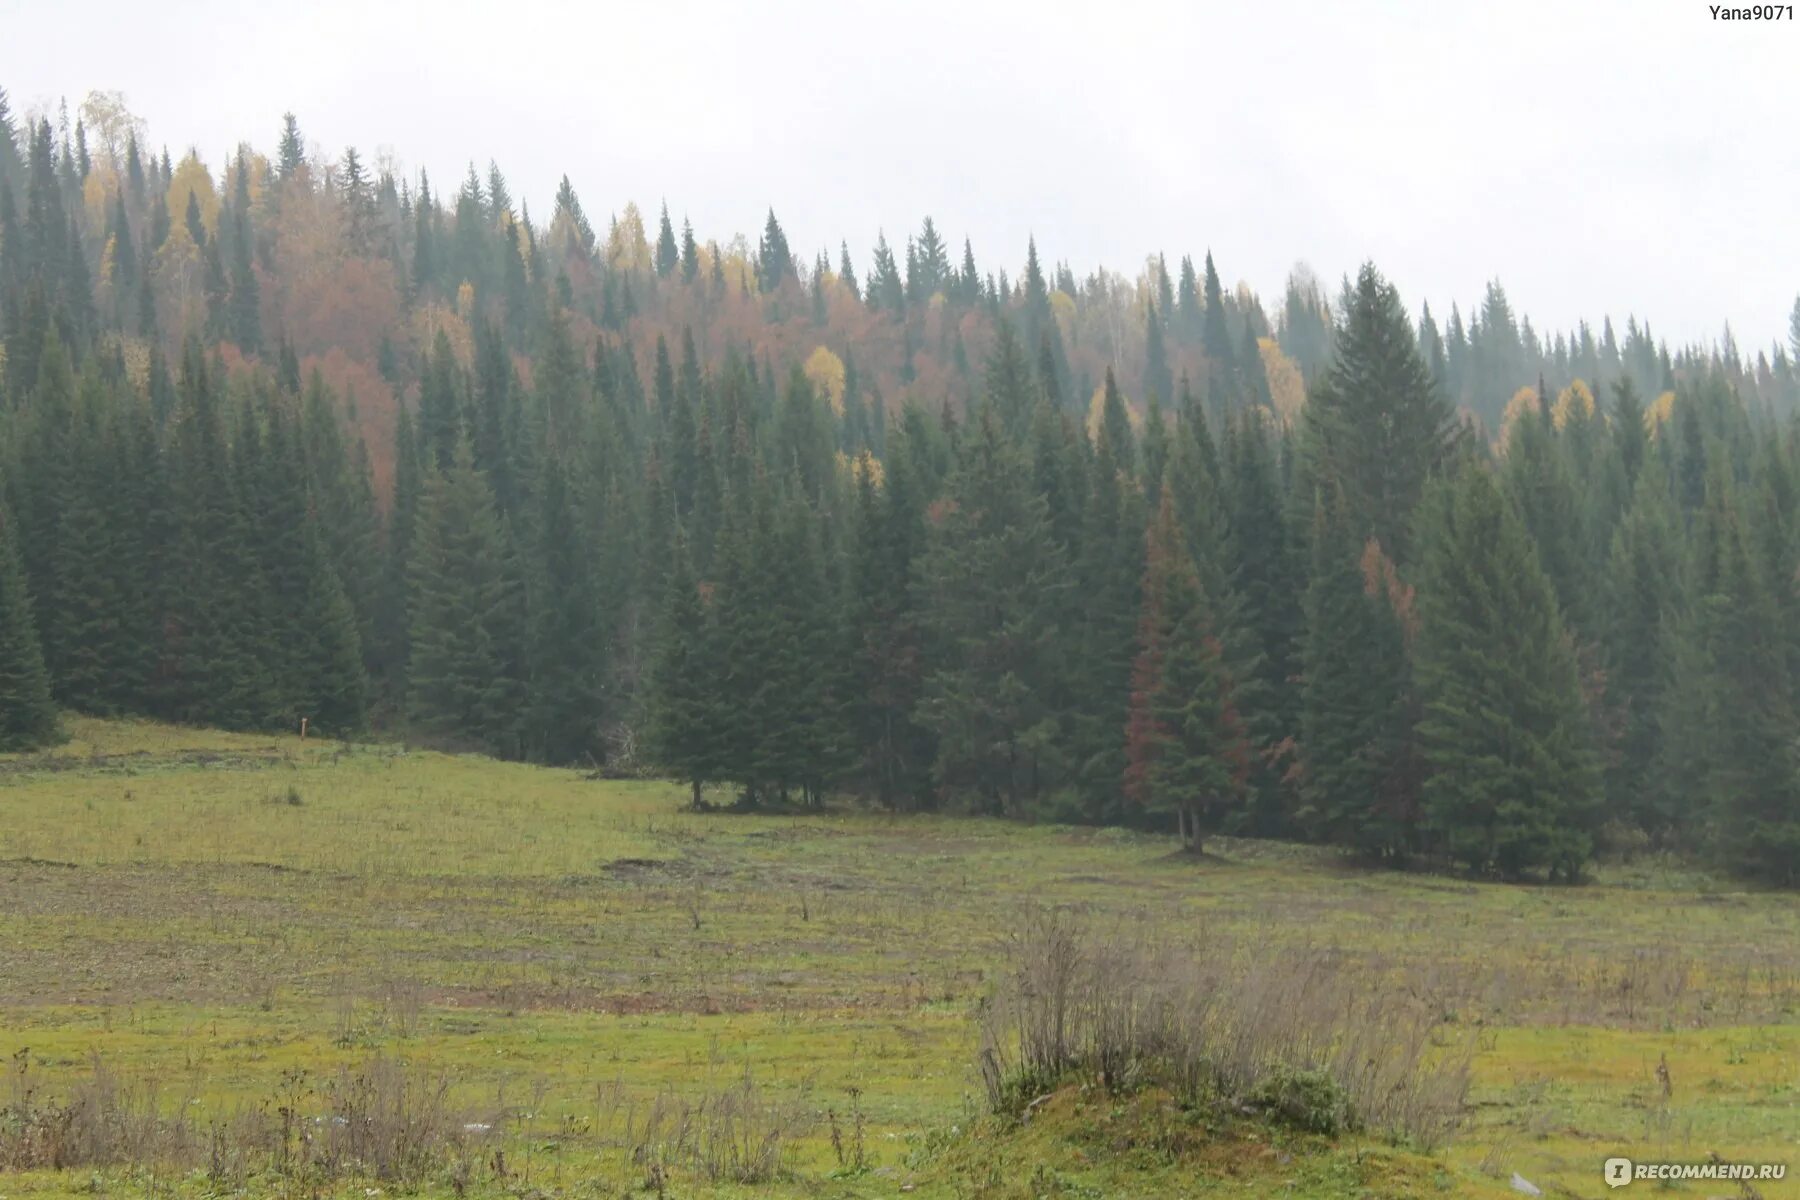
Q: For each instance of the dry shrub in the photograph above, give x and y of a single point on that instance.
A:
(1298, 1034)
(383, 1120)
(101, 1122)
(736, 1133)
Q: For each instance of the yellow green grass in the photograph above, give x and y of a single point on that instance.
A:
(206, 914)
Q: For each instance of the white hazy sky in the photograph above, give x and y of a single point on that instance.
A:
(1596, 157)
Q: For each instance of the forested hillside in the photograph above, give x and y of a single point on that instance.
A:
(292, 436)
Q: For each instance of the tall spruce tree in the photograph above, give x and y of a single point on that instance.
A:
(682, 700)
(1186, 749)
(466, 613)
(566, 634)
(1644, 601)
(892, 753)
(28, 717)
(1359, 779)
(1512, 780)
(990, 577)
(1375, 427)
(1736, 702)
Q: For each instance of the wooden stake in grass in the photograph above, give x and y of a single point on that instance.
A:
(303, 729)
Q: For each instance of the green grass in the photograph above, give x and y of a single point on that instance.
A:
(205, 912)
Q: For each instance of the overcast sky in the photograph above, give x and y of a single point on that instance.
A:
(1595, 157)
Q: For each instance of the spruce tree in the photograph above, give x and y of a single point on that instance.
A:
(1643, 602)
(1222, 364)
(774, 261)
(1186, 751)
(1358, 783)
(682, 701)
(463, 683)
(28, 717)
(1541, 484)
(1512, 781)
(668, 254)
(1375, 426)
(1108, 568)
(1158, 382)
(1753, 774)
(1268, 570)
(990, 577)
(892, 752)
(291, 154)
(216, 639)
(567, 643)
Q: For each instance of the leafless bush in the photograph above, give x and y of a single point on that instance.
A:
(100, 1122)
(1219, 1022)
(737, 1133)
(383, 1120)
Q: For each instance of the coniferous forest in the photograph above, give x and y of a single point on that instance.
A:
(290, 437)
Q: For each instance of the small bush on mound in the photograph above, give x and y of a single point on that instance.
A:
(1311, 1101)
(1303, 1037)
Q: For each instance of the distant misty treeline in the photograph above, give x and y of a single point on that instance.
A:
(303, 439)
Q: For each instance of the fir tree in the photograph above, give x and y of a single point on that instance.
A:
(465, 616)
(1186, 749)
(1512, 780)
(668, 254)
(1216, 341)
(1108, 568)
(682, 712)
(774, 261)
(1375, 427)
(291, 153)
(1752, 776)
(246, 302)
(216, 638)
(690, 253)
(1157, 380)
(892, 752)
(1267, 568)
(566, 636)
(1355, 713)
(1644, 600)
(990, 575)
(28, 717)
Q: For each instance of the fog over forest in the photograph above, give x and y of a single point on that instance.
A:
(1612, 158)
(956, 601)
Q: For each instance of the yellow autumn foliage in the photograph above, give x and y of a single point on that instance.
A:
(1523, 403)
(1287, 387)
(191, 178)
(864, 466)
(97, 192)
(1576, 398)
(627, 249)
(1096, 414)
(826, 371)
(428, 319)
(258, 175)
(175, 270)
(1659, 412)
(109, 263)
(1062, 308)
(739, 277)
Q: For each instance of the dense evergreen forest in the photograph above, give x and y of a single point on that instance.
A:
(295, 437)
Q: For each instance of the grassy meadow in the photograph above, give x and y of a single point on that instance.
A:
(202, 932)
